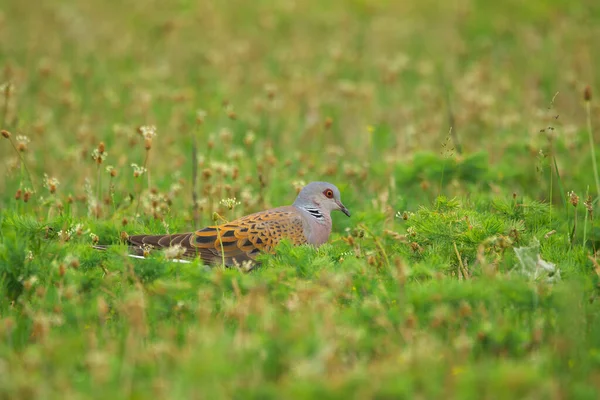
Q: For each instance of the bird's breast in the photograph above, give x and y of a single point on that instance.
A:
(319, 233)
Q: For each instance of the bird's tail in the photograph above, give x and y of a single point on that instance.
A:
(134, 252)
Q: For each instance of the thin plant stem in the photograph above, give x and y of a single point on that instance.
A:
(98, 188)
(585, 219)
(145, 169)
(592, 149)
(377, 243)
(23, 165)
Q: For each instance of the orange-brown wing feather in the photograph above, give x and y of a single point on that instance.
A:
(244, 238)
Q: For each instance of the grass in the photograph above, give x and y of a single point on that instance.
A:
(461, 136)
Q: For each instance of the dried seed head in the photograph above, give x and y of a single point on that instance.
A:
(587, 93)
(95, 238)
(101, 148)
(50, 183)
(5, 134)
(22, 142)
(111, 171)
(249, 138)
(271, 90)
(573, 198)
(99, 156)
(18, 194)
(200, 116)
(328, 122)
(27, 195)
(589, 205)
(206, 173)
(137, 170)
(74, 263)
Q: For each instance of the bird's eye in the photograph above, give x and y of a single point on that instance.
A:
(328, 193)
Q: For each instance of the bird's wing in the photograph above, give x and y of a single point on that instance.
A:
(236, 241)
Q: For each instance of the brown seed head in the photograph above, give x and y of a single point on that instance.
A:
(573, 199)
(5, 134)
(148, 144)
(587, 93)
(328, 122)
(206, 173)
(101, 148)
(18, 194)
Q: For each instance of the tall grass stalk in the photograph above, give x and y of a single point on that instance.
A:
(588, 112)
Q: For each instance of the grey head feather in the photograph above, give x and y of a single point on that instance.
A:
(312, 197)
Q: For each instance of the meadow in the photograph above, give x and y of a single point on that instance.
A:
(463, 136)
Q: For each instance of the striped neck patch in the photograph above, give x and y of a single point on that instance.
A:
(315, 212)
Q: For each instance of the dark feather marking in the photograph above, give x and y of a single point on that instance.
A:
(228, 234)
(204, 239)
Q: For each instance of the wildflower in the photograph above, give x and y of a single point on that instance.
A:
(176, 251)
(50, 183)
(148, 132)
(249, 138)
(298, 185)
(230, 112)
(225, 135)
(111, 171)
(99, 156)
(271, 90)
(29, 283)
(94, 237)
(230, 203)
(7, 88)
(200, 116)
(22, 142)
(137, 170)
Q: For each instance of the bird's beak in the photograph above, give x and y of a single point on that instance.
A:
(343, 208)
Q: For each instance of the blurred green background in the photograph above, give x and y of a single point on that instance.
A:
(456, 131)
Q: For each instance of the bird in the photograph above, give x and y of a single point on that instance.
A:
(306, 221)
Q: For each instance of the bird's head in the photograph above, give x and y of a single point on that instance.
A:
(322, 195)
